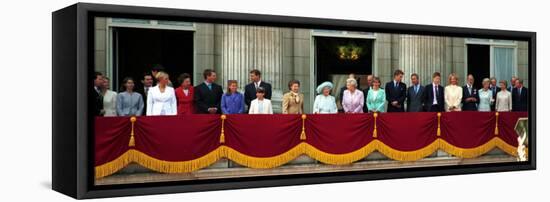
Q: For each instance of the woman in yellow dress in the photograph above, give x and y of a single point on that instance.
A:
(293, 101)
(453, 94)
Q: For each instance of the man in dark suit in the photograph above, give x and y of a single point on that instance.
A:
(396, 92)
(470, 96)
(494, 89)
(512, 83)
(415, 95)
(154, 70)
(96, 92)
(208, 95)
(143, 89)
(250, 89)
(366, 92)
(520, 96)
(434, 95)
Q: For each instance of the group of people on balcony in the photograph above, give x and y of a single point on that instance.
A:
(433, 97)
(210, 98)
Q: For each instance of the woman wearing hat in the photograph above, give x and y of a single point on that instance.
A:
(324, 102)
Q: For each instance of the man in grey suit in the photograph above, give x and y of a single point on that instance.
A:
(415, 95)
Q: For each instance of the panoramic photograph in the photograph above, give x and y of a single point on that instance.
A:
(186, 101)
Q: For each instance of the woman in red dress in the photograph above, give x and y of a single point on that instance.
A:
(184, 95)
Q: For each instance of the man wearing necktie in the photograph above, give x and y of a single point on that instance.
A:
(370, 77)
(512, 83)
(98, 98)
(520, 95)
(494, 89)
(434, 95)
(143, 89)
(396, 92)
(470, 96)
(250, 89)
(415, 95)
(208, 95)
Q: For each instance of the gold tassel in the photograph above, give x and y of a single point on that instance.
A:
(496, 123)
(222, 135)
(375, 132)
(222, 138)
(303, 134)
(132, 142)
(438, 124)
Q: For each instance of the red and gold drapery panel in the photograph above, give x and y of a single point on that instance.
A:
(178, 144)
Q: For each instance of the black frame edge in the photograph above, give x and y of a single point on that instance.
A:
(64, 101)
(79, 186)
(532, 72)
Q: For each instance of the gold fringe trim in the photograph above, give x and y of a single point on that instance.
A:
(143, 159)
(154, 164)
(339, 159)
(263, 162)
(176, 166)
(405, 155)
(509, 149)
(113, 166)
(479, 150)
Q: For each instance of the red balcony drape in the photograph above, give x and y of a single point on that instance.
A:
(177, 144)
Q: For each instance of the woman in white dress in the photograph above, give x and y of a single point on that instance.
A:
(260, 105)
(109, 99)
(161, 99)
(504, 98)
(485, 97)
(453, 94)
(324, 102)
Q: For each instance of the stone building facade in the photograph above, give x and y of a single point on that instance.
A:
(283, 54)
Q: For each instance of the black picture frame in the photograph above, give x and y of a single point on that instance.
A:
(72, 62)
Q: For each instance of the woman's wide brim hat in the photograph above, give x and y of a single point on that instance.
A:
(326, 84)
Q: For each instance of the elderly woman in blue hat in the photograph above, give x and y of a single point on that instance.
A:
(324, 102)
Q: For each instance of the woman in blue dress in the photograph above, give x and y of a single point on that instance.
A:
(376, 98)
(232, 101)
(485, 97)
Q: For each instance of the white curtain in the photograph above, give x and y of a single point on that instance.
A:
(422, 55)
(251, 47)
(504, 63)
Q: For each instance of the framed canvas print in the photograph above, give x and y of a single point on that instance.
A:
(159, 100)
